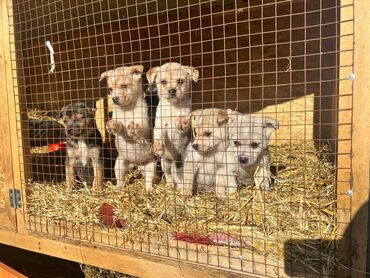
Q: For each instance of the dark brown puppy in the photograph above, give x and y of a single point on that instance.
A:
(84, 145)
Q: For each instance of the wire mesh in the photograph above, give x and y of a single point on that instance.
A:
(229, 201)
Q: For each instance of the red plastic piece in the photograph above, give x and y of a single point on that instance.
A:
(57, 146)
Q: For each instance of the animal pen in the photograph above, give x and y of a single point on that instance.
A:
(301, 62)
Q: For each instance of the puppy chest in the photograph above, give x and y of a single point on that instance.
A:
(82, 153)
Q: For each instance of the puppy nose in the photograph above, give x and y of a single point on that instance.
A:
(172, 92)
(243, 159)
(195, 146)
(115, 100)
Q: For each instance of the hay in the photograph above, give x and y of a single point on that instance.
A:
(95, 272)
(300, 207)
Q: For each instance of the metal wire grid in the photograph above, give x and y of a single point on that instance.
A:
(249, 54)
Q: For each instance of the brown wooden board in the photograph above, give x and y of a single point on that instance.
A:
(7, 214)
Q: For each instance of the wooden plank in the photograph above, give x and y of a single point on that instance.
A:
(7, 214)
(360, 142)
(133, 263)
(7, 272)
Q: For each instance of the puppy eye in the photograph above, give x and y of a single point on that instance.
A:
(207, 133)
(163, 82)
(180, 81)
(124, 86)
(237, 143)
(255, 145)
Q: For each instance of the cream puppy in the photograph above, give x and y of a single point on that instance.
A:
(248, 150)
(205, 167)
(130, 123)
(171, 128)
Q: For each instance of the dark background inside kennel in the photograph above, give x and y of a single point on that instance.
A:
(250, 54)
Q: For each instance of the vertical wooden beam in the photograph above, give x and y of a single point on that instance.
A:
(10, 101)
(360, 140)
(7, 215)
(353, 135)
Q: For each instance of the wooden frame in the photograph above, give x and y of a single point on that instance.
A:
(352, 205)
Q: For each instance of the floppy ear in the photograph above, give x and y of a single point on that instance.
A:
(193, 72)
(151, 75)
(222, 116)
(137, 71)
(269, 125)
(106, 74)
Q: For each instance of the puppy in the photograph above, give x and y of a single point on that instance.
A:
(130, 123)
(84, 145)
(248, 150)
(205, 164)
(171, 128)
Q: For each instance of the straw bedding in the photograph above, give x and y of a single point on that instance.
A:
(300, 206)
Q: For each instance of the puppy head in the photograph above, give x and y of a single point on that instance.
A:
(250, 137)
(173, 80)
(78, 120)
(209, 129)
(124, 84)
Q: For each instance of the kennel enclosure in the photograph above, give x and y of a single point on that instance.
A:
(301, 62)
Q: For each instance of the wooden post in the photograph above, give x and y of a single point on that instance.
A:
(353, 158)
(7, 127)
(360, 140)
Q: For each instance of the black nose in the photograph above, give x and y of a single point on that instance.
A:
(172, 92)
(243, 159)
(115, 100)
(70, 131)
(195, 146)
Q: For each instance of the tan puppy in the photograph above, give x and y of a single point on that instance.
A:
(248, 151)
(205, 158)
(171, 128)
(130, 123)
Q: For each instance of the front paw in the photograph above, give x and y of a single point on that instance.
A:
(134, 130)
(158, 148)
(183, 123)
(114, 126)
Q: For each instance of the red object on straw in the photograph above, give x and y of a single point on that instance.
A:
(57, 146)
(106, 217)
(193, 238)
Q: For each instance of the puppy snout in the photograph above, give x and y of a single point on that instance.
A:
(243, 159)
(172, 93)
(195, 146)
(115, 100)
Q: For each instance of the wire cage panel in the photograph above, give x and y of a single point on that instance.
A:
(283, 65)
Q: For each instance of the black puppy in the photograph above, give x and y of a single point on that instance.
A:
(84, 145)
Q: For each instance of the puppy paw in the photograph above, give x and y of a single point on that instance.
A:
(134, 130)
(114, 126)
(183, 123)
(158, 147)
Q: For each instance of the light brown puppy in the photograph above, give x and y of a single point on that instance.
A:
(171, 129)
(248, 150)
(130, 123)
(205, 167)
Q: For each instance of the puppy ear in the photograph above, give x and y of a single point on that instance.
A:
(269, 125)
(106, 74)
(193, 72)
(222, 116)
(137, 71)
(151, 75)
